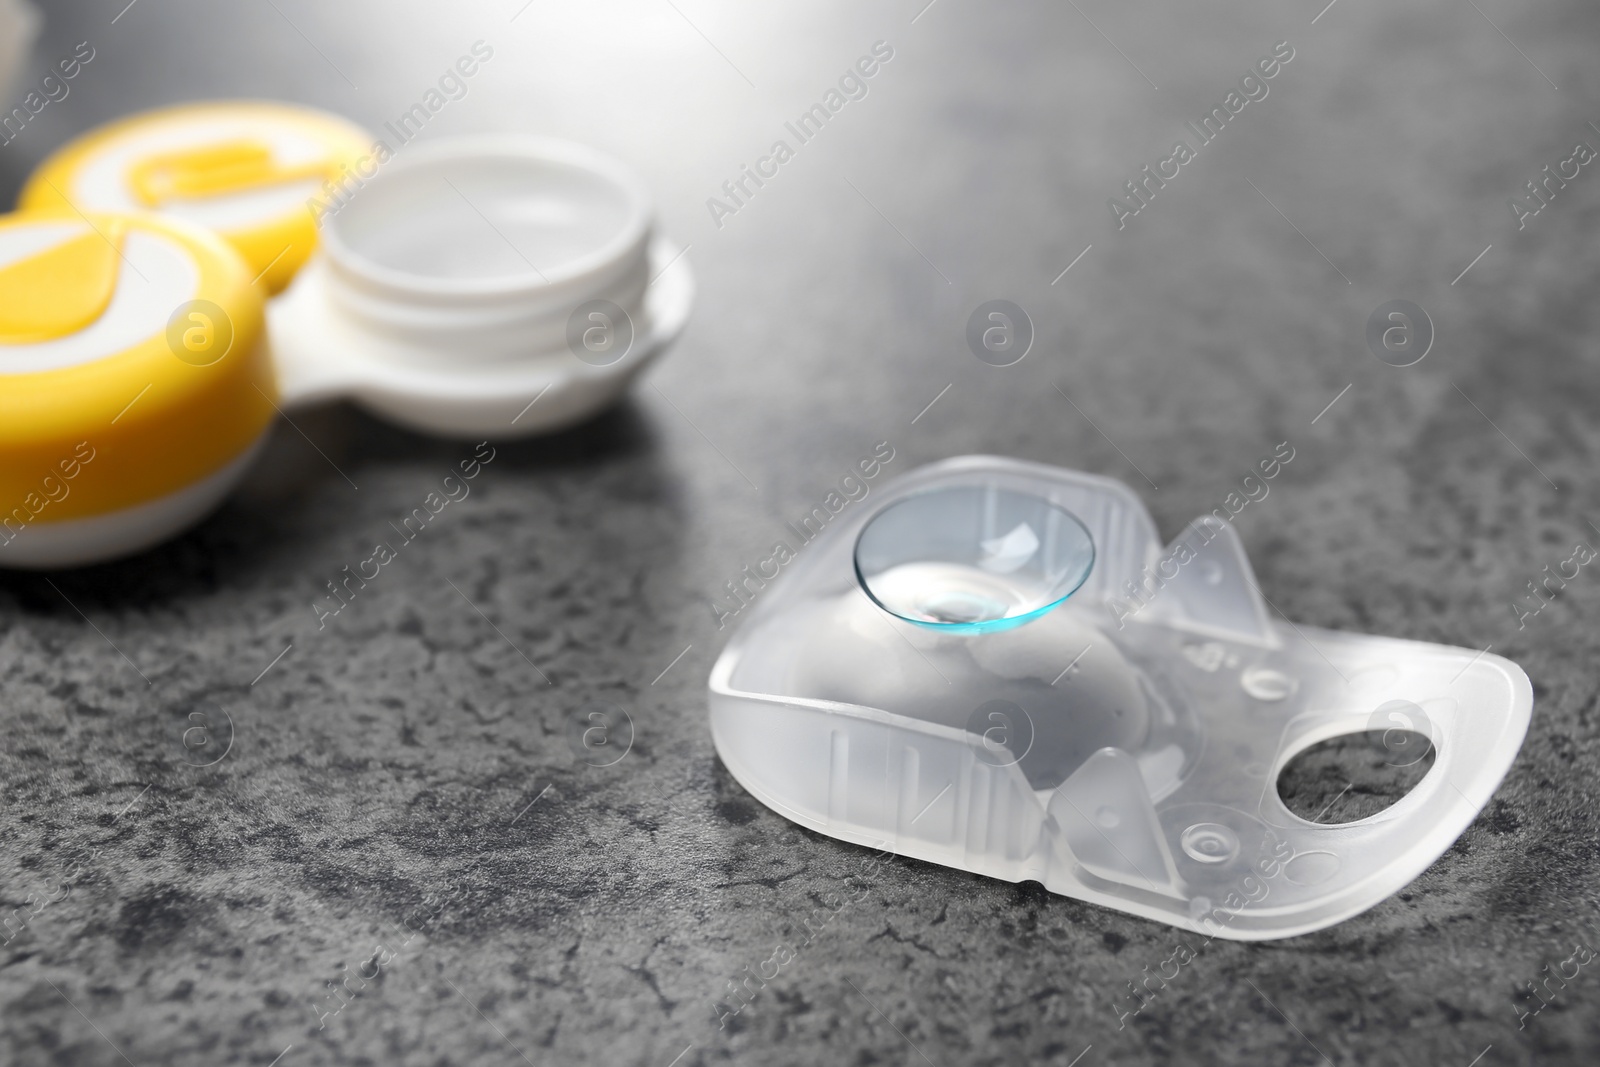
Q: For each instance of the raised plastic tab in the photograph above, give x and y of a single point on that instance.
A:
(1212, 587)
(1109, 826)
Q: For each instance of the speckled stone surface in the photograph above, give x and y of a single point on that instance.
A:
(401, 799)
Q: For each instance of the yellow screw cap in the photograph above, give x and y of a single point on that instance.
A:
(135, 340)
(244, 169)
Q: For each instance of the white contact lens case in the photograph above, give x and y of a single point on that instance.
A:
(500, 286)
(997, 666)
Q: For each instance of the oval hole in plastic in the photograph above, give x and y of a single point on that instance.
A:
(1354, 776)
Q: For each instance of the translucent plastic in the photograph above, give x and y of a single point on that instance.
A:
(1121, 743)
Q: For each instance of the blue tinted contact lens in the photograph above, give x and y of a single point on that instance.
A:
(972, 559)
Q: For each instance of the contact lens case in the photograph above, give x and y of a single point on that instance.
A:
(999, 667)
(478, 287)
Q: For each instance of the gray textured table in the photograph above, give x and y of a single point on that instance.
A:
(404, 777)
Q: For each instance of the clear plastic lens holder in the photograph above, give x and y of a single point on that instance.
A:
(1121, 744)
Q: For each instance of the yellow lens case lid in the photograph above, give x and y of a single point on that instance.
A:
(139, 335)
(242, 168)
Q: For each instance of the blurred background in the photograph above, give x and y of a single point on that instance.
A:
(380, 767)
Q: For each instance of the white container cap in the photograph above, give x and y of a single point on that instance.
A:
(495, 285)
